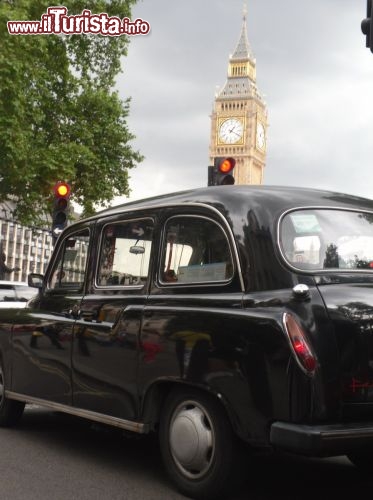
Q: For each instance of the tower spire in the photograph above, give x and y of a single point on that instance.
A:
(239, 117)
(244, 13)
(243, 49)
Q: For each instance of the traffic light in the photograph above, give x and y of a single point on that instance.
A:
(223, 171)
(367, 26)
(61, 207)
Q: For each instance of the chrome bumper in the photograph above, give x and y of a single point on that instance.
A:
(321, 440)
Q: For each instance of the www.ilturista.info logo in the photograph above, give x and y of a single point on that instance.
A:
(56, 22)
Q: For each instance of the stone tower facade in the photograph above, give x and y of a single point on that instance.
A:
(239, 118)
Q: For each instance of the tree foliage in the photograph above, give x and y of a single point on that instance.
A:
(60, 118)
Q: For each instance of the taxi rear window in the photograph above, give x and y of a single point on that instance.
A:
(322, 239)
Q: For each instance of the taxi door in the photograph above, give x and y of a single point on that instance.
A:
(106, 337)
(43, 333)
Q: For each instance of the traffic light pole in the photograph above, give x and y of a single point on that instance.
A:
(211, 175)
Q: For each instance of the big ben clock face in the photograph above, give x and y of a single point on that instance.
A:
(260, 136)
(231, 131)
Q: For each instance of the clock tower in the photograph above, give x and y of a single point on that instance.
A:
(239, 117)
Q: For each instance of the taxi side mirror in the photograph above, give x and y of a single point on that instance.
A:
(35, 280)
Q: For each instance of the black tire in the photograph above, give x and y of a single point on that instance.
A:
(198, 445)
(10, 411)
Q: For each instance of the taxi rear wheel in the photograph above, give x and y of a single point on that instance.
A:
(10, 411)
(197, 444)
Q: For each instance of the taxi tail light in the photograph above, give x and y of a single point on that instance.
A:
(299, 344)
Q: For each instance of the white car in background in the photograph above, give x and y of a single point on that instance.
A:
(15, 294)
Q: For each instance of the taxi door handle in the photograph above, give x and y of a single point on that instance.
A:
(88, 315)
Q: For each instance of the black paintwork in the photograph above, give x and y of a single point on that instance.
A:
(119, 351)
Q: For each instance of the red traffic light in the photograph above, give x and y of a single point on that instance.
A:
(226, 165)
(223, 171)
(62, 189)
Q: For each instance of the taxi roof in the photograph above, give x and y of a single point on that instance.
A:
(233, 198)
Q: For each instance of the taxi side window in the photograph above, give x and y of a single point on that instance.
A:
(195, 250)
(125, 253)
(70, 268)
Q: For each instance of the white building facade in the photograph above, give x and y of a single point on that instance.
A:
(28, 249)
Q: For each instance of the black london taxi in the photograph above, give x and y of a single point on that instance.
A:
(216, 317)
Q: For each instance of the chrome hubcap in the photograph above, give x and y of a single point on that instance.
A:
(192, 439)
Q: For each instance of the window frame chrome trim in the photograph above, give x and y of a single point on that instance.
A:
(123, 210)
(197, 283)
(313, 272)
(83, 225)
(101, 229)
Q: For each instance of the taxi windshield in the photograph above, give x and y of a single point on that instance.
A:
(318, 239)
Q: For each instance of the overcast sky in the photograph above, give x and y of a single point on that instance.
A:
(313, 69)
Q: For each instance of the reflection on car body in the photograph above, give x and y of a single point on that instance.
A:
(15, 294)
(215, 317)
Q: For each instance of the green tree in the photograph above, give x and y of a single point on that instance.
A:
(60, 117)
